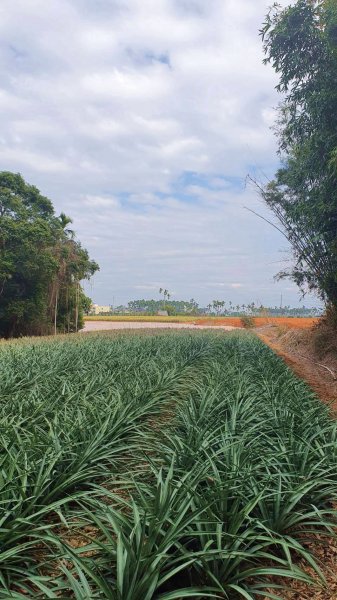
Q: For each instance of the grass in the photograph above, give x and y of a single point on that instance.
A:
(162, 466)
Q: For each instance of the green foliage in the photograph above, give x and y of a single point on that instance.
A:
(86, 303)
(173, 307)
(41, 263)
(300, 43)
(185, 465)
(216, 307)
(170, 309)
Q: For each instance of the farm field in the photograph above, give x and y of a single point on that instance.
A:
(159, 465)
(284, 322)
(91, 326)
(291, 322)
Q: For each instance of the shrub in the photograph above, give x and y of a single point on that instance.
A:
(247, 321)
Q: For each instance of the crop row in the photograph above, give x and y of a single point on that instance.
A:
(140, 467)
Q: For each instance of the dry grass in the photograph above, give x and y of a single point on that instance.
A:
(288, 322)
(142, 318)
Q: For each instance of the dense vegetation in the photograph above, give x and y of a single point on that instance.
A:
(173, 307)
(300, 42)
(158, 467)
(41, 264)
(216, 307)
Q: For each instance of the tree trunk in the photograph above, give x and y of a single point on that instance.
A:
(55, 312)
(76, 308)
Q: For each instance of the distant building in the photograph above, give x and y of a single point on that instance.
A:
(96, 309)
(162, 313)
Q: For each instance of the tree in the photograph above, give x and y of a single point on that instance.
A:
(166, 294)
(41, 263)
(86, 303)
(301, 44)
(174, 307)
(218, 305)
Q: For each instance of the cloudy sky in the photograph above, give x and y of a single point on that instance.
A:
(141, 119)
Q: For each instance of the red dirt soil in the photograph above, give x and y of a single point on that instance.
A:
(305, 367)
(289, 322)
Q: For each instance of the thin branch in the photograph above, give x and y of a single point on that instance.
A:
(267, 221)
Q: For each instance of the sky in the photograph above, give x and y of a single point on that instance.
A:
(141, 119)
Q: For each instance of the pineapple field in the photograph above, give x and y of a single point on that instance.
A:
(160, 466)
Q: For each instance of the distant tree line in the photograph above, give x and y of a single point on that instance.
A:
(222, 307)
(214, 308)
(173, 307)
(41, 264)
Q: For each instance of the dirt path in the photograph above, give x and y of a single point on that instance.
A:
(307, 367)
(110, 325)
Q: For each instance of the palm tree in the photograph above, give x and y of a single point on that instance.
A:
(68, 235)
(65, 220)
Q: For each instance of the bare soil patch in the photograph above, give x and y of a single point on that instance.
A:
(286, 322)
(297, 348)
(115, 325)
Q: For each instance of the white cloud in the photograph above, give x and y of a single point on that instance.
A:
(99, 202)
(19, 158)
(141, 120)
